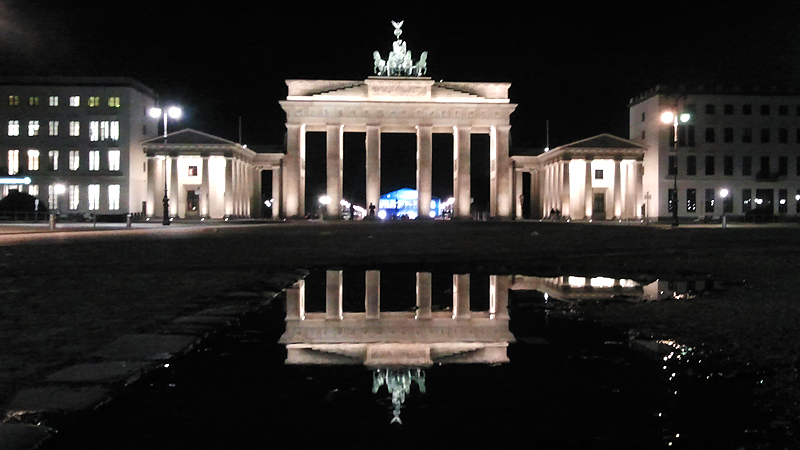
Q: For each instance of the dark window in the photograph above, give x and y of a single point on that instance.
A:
(783, 165)
(710, 135)
(764, 110)
(798, 135)
(642, 117)
(642, 134)
(746, 200)
(783, 135)
(691, 165)
(727, 204)
(690, 135)
(709, 109)
(764, 169)
(747, 109)
(747, 165)
(672, 169)
(598, 174)
(797, 170)
(783, 110)
(728, 109)
(709, 200)
(727, 164)
(764, 135)
(728, 135)
(747, 135)
(691, 200)
(192, 171)
(709, 164)
(670, 199)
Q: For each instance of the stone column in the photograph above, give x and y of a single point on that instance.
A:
(461, 172)
(335, 165)
(566, 192)
(588, 194)
(638, 176)
(518, 195)
(152, 189)
(205, 194)
(424, 170)
(293, 190)
(617, 190)
(501, 201)
(296, 301)
(278, 209)
(423, 295)
(372, 294)
(461, 296)
(373, 165)
(498, 296)
(536, 192)
(333, 295)
(174, 193)
(228, 186)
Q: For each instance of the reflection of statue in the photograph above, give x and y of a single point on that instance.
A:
(399, 63)
(398, 383)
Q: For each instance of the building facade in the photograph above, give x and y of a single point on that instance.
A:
(743, 141)
(77, 141)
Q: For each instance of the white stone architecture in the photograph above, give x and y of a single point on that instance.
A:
(77, 139)
(600, 177)
(742, 139)
(205, 176)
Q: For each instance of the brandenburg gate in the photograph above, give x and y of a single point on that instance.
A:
(399, 99)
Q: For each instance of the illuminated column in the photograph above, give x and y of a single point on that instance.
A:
(423, 295)
(152, 166)
(500, 197)
(638, 176)
(278, 209)
(373, 165)
(536, 192)
(296, 301)
(372, 294)
(294, 171)
(333, 295)
(424, 170)
(617, 190)
(335, 146)
(588, 195)
(228, 186)
(174, 194)
(519, 197)
(498, 296)
(566, 193)
(461, 172)
(461, 296)
(204, 189)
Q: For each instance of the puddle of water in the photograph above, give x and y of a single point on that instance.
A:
(396, 358)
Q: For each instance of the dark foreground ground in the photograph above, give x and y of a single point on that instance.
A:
(64, 295)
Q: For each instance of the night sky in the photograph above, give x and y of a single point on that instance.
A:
(575, 64)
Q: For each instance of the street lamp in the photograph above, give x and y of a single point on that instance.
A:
(671, 117)
(724, 194)
(175, 113)
(324, 201)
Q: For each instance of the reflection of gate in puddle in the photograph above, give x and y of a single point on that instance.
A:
(572, 288)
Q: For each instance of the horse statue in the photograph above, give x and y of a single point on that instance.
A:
(421, 67)
(380, 64)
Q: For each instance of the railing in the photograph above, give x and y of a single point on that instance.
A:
(24, 216)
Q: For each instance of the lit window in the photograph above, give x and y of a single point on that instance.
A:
(94, 131)
(113, 160)
(74, 159)
(33, 189)
(94, 160)
(74, 128)
(13, 100)
(53, 100)
(52, 196)
(75, 101)
(13, 162)
(33, 159)
(113, 197)
(13, 127)
(114, 130)
(52, 156)
(93, 101)
(113, 102)
(94, 197)
(53, 127)
(33, 101)
(33, 128)
(74, 197)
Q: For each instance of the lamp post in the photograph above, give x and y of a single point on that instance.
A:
(173, 112)
(724, 194)
(671, 117)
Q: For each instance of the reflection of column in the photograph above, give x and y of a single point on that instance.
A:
(424, 170)
(617, 190)
(228, 186)
(151, 186)
(335, 146)
(498, 296)
(294, 171)
(423, 295)
(588, 195)
(333, 294)
(373, 165)
(372, 294)
(204, 190)
(461, 172)
(500, 173)
(296, 301)
(461, 296)
(174, 194)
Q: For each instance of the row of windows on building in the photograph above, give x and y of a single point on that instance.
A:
(73, 161)
(686, 135)
(71, 194)
(74, 101)
(99, 130)
(763, 197)
(746, 110)
(710, 167)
